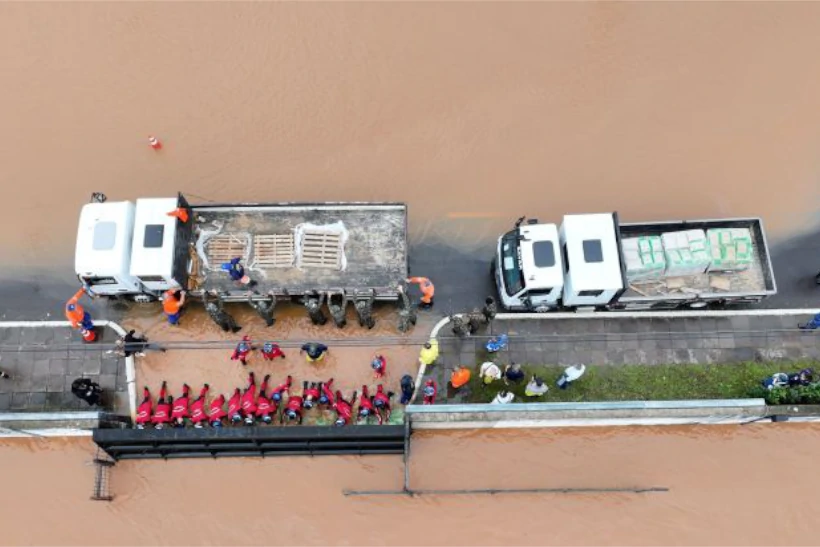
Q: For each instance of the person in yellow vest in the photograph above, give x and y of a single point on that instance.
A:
(429, 353)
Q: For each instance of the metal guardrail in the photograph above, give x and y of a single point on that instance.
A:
(122, 444)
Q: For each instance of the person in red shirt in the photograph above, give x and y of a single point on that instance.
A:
(162, 412)
(242, 350)
(145, 409)
(276, 394)
(310, 394)
(264, 406)
(326, 397)
(344, 409)
(235, 407)
(180, 409)
(293, 410)
(365, 405)
(271, 350)
(197, 409)
(379, 365)
(429, 391)
(249, 400)
(381, 401)
(216, 412)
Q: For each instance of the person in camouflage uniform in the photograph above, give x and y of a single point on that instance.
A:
(313, 304)
(337, 304)
(475, 320)
(215, 309)
(460, 328)
(364, 309)
(490, 309)
(407, 315)
(264, 307)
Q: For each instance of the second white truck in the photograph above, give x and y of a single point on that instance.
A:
(595, 262)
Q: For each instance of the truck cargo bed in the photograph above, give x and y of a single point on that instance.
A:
(375, 250)
(758, 279)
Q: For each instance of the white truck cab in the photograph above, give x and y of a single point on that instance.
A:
(103, 252)
(154, 244)
(593, 275)
(529, 271)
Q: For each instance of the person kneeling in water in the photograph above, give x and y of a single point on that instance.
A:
(381, 401)
(216, 412)
(344, 409)
(293, 410)
(264, 406)
(365, 405)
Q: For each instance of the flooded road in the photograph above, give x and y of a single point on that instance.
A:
(728, 485)
(473, 114)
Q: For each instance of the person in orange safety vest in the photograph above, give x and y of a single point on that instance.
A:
(75, 313)
(428, 291)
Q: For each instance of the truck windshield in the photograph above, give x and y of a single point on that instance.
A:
(510, 264)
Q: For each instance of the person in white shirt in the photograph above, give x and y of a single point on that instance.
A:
(503, 398)
(570, 375)
(490, 372)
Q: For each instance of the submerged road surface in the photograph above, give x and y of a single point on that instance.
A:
(728, 485)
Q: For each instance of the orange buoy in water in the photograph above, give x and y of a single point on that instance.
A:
(154, 142)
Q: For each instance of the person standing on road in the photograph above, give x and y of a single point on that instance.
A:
(503, 398)
(172, 303)
(429, 353)
(428, 291)
(460, 377)
(513, 373)
(813, 323)
(314, 351)
(83, 388)
(489, 372)
(536, 387)
(571, 374)
(79, 318)
(429, 391)
(408, 388)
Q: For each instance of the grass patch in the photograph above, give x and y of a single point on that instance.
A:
(639, 382)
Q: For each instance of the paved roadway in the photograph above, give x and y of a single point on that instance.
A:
(462, 280)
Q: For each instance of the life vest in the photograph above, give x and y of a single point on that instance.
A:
(162, 413)
(216, 410)
(264, 407)
(381, 400)
(144, 412)
(197, 410)
(234, 404)
(294, 404)
(180, 409)
(249, 401)
(170, 305)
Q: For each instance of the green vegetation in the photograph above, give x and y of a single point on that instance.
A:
(801, 395)
(649, 382)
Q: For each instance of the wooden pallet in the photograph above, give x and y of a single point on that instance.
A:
(321, 250)
(273, 251)
(222, 248)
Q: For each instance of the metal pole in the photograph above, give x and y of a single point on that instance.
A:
(494, 491)
(407, 433)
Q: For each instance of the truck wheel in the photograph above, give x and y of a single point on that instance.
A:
(143, 298)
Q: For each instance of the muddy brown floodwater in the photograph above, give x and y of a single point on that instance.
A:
(738, 485)
(472, 113)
